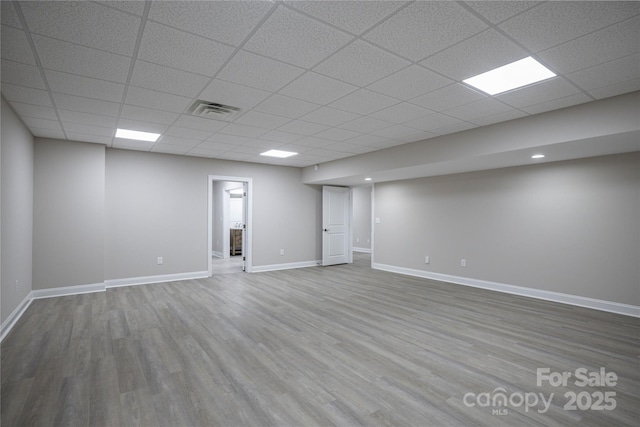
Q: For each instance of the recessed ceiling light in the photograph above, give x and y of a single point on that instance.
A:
(137, 135)
(537, 156)
(367, 179)
(511, 76)
(278, 153)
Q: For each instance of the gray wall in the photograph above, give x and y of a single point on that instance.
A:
(571, 227)
(68, 219)
(16, 203)
(361, 205)
(156, 205)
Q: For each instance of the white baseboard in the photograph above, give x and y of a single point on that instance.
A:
(144, 280)
(364, 250)
(287, 266)
(67, 290)
(13, 318)
(597, 304)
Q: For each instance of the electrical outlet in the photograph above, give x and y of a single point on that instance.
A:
(160, 260)
(17, 284)
(357, 240)
(281, 252)
(426, 259)
(463, 262)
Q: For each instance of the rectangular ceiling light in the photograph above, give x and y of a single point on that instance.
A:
(278, 153)
(137, 135)
(511, 76)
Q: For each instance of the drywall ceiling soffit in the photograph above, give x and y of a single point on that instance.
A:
(609, 126)
(328, 80)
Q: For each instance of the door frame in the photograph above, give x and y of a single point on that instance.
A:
(246, 244)
(349, 225)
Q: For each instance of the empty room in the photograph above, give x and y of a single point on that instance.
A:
(320, 213)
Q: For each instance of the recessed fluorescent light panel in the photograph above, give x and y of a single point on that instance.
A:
(537, 156)
(511, 76)
(367, 179)
(278, 153)
(137, 135)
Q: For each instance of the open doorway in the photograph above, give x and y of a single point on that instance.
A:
(229, 224)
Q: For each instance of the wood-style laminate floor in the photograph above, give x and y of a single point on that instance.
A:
(343, 345)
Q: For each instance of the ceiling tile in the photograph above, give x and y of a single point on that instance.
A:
(188, 133)
(361, 63)
(263, 144)
(87, 118)
(330, 116)
(315, 142)
(317, 88)
(21, 75)
(410, 82)
(420, 136)
(243, 130)
(425, 28)
(432, 122)
(37, 111)
(141, 97)
(179, 140)
(302, 127)
(218, 146)
(256, 71)
(366, 125)
(36, 123)
(483, 52)
(553, 104)
(296, 39)
(128, 144)
(164, 79)
(447, 97)
(83, 137)
(620, 70)
(262, 120)
(553, 23)
(89, 129)
(233, 94)
(142, 126)
(540, 92)
(221, 138)
(337, 134)
(84, 86)
(353, 16)
(204, 152)
(363, 102)
(462, 126)
(285, 106)
(279, 136)
(497, 118)
(77, 103)
(349, 148)
(395, 132)
(71, 58)
(369, 141)
(497, 12)
(84, 23)
(401, 113)
(615, 89)
(47, 133)
(15, 46)
(601, 46)
(199, 123)
(135, 7)
(8, 15)
(482, 108)
(234, 20)
(166, 46)
(132, 112)
(26, 95)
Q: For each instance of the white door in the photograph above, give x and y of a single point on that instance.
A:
(336, 227)
(245, 189)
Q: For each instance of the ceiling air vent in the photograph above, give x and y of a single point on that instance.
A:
(212, 110)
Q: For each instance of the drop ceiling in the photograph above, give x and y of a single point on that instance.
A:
(326, 79)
